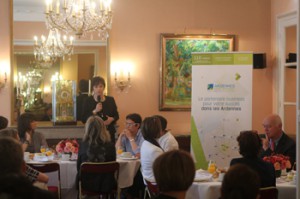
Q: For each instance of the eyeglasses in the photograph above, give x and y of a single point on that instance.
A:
(129, 124)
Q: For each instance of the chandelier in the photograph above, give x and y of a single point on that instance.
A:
(47, 50)
(79, 16)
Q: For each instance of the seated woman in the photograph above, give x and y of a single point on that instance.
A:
(250, 145)
(150, 149)
(31, 174)
(174, 173)
(26, 129)
(96, 146)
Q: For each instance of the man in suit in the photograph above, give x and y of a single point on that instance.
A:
(276, 140)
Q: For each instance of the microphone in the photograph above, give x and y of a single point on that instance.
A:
(99, 101)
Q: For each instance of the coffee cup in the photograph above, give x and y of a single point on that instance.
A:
(26, 156)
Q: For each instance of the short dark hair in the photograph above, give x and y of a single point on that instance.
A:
(11, 156)
(83, 85)
(174, 171)
(240, 182)
(134, 117)
(3, 122)
(163, 121)
(98, 80)
(250, 143)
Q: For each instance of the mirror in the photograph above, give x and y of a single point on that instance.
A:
(32, 84)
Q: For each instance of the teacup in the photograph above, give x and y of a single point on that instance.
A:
(26, 156)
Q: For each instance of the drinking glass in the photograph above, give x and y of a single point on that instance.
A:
(119, 150)
(211, 167)
(43, 149)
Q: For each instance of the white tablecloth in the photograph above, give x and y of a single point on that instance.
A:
(211, 190)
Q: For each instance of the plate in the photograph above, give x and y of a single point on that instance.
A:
(126, 158)
(202, 176)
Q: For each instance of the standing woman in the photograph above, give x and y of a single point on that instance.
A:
(28, 136)
(150, 149)
(96, 146)
(103, 106)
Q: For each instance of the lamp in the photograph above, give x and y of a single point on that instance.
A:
(49, 49)
(122, 76)
(79, 16)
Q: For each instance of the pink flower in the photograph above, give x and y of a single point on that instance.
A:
(67, 146)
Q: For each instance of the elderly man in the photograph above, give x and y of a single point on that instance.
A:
(13, 183)
(276, 140)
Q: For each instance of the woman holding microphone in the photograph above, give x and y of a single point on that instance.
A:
(103, 106)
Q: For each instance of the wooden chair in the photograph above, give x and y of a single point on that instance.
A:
(47, 168)
(268, 193)
(94, 169)
(151, 189)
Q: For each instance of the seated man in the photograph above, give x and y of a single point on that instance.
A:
(131, 138)
(167, 141)
(174, 173)
(13, 183)
(276, 140)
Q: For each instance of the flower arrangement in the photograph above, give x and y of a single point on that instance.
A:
(279, 161)
(67, 146)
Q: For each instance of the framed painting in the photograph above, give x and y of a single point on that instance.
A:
(176, 65)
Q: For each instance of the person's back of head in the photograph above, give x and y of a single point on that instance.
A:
(163, 122)
(83, 86)
(3, 122)
(240, 182)
(151, 129)
(174, 171)
(95, 131)
(135, 117)
(11, 156)
(249, 143)
(9, 132)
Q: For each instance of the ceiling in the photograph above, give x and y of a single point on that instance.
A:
(29, 10)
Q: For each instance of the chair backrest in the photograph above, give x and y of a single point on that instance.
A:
(48, 168)
(95, 168)
(153, 188)
(268, 193)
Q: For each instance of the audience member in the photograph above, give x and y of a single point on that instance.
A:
(96, 146)
(250, 146)
(174, 173)
(240, 182)
(26, 129)
(276, 140)
(131, 138)
(82, 95)
(150, 149)
(167, 141)
(32, 174)
(3, 122)
(13, 183)
(101, 105)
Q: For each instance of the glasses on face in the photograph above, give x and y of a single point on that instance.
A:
(129, 124)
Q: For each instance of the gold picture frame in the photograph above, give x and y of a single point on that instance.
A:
(176, 65)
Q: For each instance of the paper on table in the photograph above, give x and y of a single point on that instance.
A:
(202, 175)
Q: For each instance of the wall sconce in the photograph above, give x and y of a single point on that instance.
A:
(3, 83)
(122, 76)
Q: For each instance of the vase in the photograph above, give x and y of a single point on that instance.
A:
(277, 173)
(65, 157)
